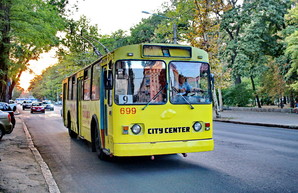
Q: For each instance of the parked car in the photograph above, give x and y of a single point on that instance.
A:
(13, 105)
(48, 105)
(6, 108)
(6, 126)
(37, 107)
(26, 105)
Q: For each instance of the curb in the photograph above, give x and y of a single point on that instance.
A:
(255, 109)
(50, 181)
(259, 124)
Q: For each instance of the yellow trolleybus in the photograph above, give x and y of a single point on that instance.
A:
(142, 100)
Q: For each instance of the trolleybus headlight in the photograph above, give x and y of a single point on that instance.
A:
(197, 126)
(136, 129)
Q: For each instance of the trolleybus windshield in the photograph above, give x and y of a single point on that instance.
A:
(140, 82)
(189, 83)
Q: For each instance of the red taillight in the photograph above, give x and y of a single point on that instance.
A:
(207, 126)
(9, 118)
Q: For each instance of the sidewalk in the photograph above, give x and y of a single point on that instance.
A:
(19, 169)
(262, 118)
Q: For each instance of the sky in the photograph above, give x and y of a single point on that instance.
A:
(109, 15)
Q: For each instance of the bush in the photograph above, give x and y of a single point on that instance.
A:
(239, 95)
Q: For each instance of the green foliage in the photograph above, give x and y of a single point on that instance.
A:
(252, 34)
(48, 84)
(17, 92)
(292, 46)
(238, 95)
(245, 40)
(29, 29)
(144, 32)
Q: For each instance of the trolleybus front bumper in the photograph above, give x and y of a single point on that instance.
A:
(160, 148)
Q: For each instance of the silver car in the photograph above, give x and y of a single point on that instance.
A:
(6, 126)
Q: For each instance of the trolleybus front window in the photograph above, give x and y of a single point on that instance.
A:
(140, 82)
(189, 83)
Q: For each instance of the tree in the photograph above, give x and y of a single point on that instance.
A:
(77, 44)
(273, 83)
(36, 87)
(199, 23)
(232, 22)
(206, 35)
(292, 46)
(76, 52)
(144, 32)
(48, 84)
(17, 92)
(238, 95)
(260, 38)
(28, 28)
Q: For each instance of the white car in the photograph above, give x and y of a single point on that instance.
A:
(26, 105)
(48, 105)
(13, 105)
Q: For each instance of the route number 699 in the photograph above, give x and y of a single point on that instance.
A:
(128, 110)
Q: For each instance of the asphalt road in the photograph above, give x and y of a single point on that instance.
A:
(246, 159)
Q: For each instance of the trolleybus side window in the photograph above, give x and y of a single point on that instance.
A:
(95, 82)
(189, 83)
(87, 83)
(69, 89)
(140, 82)
(74, 88)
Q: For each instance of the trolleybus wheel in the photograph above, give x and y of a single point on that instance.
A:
(100, 154)
(71, 133)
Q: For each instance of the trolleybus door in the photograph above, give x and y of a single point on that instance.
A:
(104, 105)
(79, 104)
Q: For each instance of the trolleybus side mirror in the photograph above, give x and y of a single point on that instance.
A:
(108, 80)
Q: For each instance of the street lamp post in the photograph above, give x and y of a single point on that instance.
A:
(174, 24)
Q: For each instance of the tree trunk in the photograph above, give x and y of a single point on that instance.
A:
(4, 47)
(13, 84)
(11, 87)
(220, 100)
(215, 102)
(238, 79)
(292, 101)
(281, 102)
(255, 92)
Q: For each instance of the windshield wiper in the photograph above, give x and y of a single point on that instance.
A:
(155, 96)
(183, 98)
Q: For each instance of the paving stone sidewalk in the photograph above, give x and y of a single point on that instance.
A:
(19, 170)
(274, 119)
